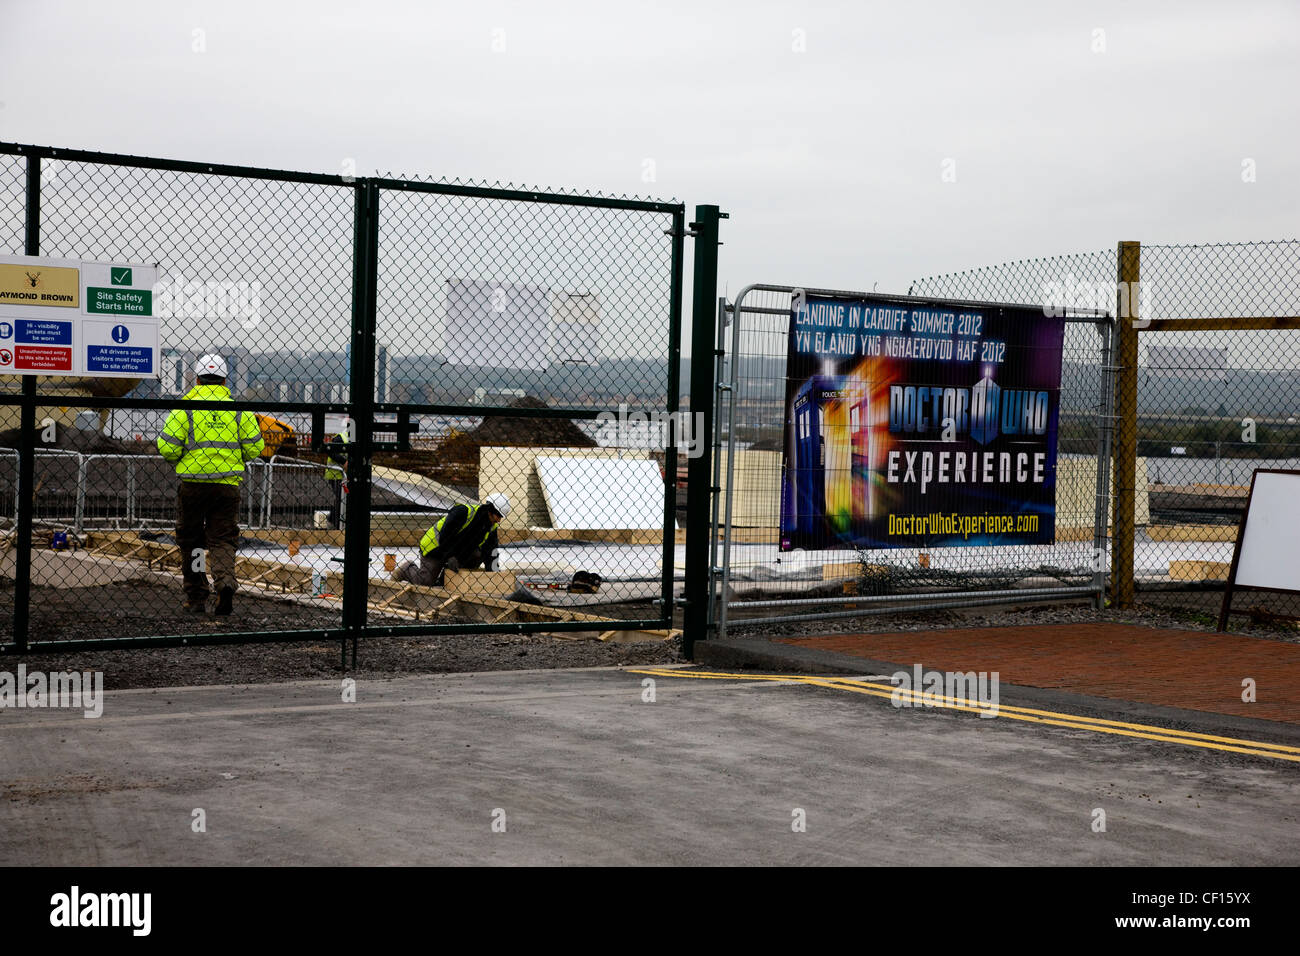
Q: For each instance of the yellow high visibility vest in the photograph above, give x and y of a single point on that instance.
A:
(210, 444)
(333, 470)
(430, 539)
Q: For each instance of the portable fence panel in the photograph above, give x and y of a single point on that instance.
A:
(766, 583)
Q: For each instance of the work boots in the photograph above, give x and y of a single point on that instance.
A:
(225, 601)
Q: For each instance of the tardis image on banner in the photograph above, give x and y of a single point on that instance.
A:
(831, 457)
(912, 423)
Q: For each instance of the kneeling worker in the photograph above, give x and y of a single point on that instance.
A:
(463, 540)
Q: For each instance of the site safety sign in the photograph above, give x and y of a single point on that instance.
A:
(77, 318)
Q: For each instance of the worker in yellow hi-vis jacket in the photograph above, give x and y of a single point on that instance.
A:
(462, 540)
(209, 447)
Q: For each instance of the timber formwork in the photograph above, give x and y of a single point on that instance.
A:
(386, 598)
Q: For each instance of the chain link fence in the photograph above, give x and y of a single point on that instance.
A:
(765, 584)
(1217, 394)
(460, 339)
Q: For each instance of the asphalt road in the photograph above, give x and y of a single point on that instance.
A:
(574, 767)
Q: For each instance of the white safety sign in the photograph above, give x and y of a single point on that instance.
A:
(70, 317)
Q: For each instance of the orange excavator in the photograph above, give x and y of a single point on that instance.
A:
(278, 437)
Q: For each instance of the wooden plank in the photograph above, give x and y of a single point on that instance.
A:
(480, 582)
(387, 602)
(1230, 492)
(1192, 532)
(389, 597)
(1199, 570)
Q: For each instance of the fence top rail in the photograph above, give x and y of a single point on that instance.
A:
(529, 195)
(1073, 314)
(349, 182)
(171, 165)
(167, 404)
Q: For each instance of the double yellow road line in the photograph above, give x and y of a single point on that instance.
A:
(916, 698)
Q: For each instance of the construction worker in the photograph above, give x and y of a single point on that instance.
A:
(336, 475)
(209, 447)
(461, 541)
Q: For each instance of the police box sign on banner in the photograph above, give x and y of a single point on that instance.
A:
(69, 317)
(919, 423)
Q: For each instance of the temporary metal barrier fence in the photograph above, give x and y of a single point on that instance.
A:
(751, 379)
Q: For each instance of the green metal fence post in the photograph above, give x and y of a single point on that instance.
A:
(699, 472)
(674, 401)
(356, 538)
(27, 441)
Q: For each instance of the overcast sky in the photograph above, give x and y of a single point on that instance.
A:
(824, 129)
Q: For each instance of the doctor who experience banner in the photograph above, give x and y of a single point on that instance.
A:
(912, 424)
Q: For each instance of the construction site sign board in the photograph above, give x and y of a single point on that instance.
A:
(77, 318)
(912, 423)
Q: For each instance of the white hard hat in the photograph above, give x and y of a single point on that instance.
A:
(211, 365)
(499, 502)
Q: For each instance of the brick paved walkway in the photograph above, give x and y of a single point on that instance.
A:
(1190, 669)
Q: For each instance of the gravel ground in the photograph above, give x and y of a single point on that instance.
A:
(139, 609)
(145, 608)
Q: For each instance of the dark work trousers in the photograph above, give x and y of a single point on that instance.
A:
(336, 510)
(429, 572)
(207, 516)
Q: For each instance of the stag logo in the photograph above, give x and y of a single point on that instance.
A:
(35, 280)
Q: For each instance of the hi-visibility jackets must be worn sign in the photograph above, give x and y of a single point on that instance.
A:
(70, 317)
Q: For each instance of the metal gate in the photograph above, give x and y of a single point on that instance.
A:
(755, 583)
(340, 299)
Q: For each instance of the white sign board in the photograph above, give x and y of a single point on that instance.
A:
(577, 329)
(1269, 550)
(602, 493)
(83, 319)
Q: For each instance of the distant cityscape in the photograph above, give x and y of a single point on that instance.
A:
(642, 382)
